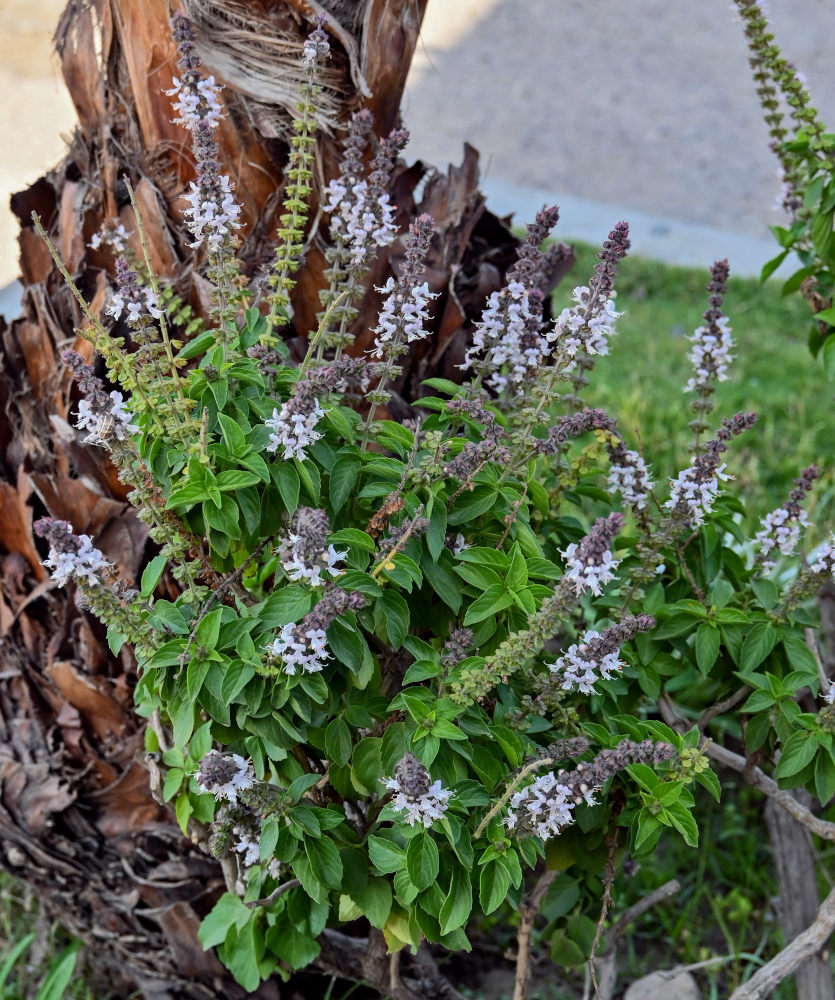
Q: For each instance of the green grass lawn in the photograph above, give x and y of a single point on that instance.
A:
(640, 382)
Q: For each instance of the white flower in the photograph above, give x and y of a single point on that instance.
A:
(424, 808)
(307, 653)
(460, 544)
(580, 669)
(580, 329)
(591, 575)
(192, 108)
(546, 806)
(631, 479)
(247, 846)
(710, 354)
(402, 314)
(84, 564)
(215, 764)
(505, 337)
(297, 569)
(212, 220)
(697, 496)
(294, 431)
(104, 425)
(825, 557)
(779, 531)
(113, 236)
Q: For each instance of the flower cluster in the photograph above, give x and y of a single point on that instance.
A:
(224, 776)
(781, 528)
(824, 559)
(131, 297)
(104, 415)
(694, 490)
(303, 647)
(568, 427)
(294, 428)
(404, 315)
(629, 475)
(590, 564)
(595, 656)
(71, 556)
(213, 213)
(506, 339)
(316, 46)
(712, 342)
(300, 649)
(422, 799)
(586, 326)
(303, 552)
(546, 806)
(115, 236)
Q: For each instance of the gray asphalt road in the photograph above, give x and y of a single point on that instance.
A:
(642, 104)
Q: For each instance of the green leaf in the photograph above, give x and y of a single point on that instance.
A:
(396, 612)
(758, 643)
(798, 750)
(325, 862)
(495, 598)
(338, 742)
(824, 777)
(229, 911)
(367, 769)
(422, 860)
(182, 810)
(235, 479)
(799, 655)
(458, 903)
(771, 266)
(240, 955)
(291, 946)
(436, 533)
(288, 604)
(13, 956)
(828, 355)
(151, 574)
(60, 974)
(707, 646)
(493, 885)
(375, 901)
(517, 573)
(287, 480)
(471, 505)
(354, 539)
(386, 856)
(766, 591)
(209, 629)
(343, 478)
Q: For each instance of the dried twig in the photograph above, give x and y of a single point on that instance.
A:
(755, 776)
(783, 964)
(606, 965)
(528, 909)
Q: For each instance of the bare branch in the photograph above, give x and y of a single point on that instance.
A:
(783, 964)
(528, 909)
(274, 895)
(754, 775)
